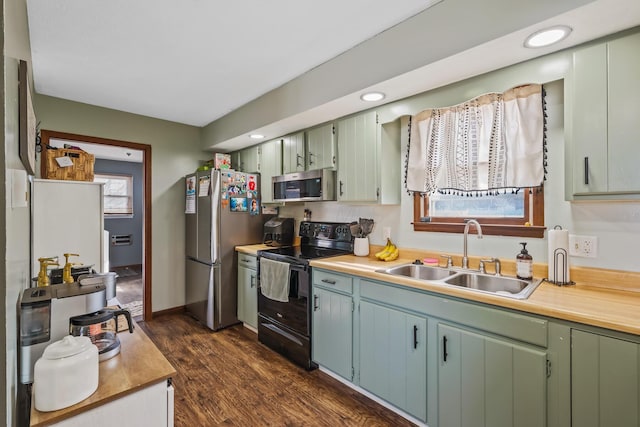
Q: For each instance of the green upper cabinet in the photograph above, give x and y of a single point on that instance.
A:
(270, 166)
(369, 166)
(485, 381)
(358, 158)
(604, 381)
(602, 110)
(393, 357)
(321, 147)
(246, 160)
(293, 153)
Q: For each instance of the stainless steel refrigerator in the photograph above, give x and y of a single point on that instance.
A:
(222, 211)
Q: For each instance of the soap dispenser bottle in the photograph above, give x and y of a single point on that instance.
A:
(66, 270)
(524, 264)
(43, 277)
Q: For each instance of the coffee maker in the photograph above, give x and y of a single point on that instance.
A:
(278, 232)
(44, 317)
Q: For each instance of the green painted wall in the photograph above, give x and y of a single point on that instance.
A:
(175, 151)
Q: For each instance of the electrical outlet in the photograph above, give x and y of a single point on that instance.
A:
(583, 246)
(386, 231)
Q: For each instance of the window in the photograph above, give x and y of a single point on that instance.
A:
(503, 214)
(118, 194)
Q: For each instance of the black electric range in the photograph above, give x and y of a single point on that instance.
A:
(286, 326)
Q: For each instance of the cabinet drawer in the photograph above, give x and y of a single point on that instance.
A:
(248, 261)
(333, 281)
(501, 322)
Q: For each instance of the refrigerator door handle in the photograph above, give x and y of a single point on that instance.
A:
(215, 212)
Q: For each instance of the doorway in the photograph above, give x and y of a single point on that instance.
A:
(47, 138)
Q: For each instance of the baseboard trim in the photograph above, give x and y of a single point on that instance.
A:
(173, 310)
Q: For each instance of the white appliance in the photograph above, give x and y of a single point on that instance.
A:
(67, 218)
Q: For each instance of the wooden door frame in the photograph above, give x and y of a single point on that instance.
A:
(47, 135)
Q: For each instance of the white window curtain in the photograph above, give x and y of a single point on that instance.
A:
(490, 143)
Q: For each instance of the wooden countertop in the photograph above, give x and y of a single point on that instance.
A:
(590, 301)
(252, 249)
(139, 364)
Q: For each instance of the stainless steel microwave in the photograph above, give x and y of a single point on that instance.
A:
(309, 186)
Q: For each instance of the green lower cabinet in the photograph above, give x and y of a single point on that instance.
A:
(604, 381)
(332, 332)
(484, 381)
(247, 296)
(393, 357)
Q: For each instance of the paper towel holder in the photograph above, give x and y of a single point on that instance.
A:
(560, 266)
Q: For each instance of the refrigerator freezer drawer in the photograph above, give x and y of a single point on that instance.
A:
(200, 291)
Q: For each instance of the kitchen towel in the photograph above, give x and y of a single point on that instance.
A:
(558, 256)
(274, 279)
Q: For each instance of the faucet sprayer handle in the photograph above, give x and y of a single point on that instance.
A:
(496, 261)
(449, 260)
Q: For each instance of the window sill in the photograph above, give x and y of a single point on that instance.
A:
(487, 229)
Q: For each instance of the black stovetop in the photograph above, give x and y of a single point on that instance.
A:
(317, 240)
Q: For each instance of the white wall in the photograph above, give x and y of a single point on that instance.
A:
(14, 232)
(616, 224)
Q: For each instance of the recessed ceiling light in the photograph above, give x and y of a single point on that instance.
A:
(372, 96)
(256, 136)
(548, 36)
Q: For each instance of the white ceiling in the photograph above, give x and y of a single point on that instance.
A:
(192, 61)
(195, 61)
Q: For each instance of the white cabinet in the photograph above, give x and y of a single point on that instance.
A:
(602, 92)
(67, 218)
(293, 153)
(270, 166)
(150, 406)
(369, 166)
(321, 147)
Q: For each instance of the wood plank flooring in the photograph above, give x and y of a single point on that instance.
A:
(229, 378)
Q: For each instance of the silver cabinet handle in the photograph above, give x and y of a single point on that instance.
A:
(311, 158)
(253, 281)
(327, 281)
(315, 303)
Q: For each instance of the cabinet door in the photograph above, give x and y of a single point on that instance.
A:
(604, 381)
(270, 166)
(321, 147)
(247, 296)
(332, 326)
(393, 357)
(623, 114)
(250, 159)
(588, 101)
(488, 382)
(358, 158)
(293, 156)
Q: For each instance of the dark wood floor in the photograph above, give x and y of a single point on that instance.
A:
(229, 378)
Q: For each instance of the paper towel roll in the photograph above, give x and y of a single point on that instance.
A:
(558, 256)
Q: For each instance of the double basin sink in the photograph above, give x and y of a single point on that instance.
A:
(475, 281)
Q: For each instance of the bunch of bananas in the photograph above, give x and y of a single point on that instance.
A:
(389, 252)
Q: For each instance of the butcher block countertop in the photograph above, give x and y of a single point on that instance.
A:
(605, 298)
(140, 364)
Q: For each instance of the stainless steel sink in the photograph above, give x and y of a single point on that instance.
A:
(500, 285)
(474, 281)
(417, 271)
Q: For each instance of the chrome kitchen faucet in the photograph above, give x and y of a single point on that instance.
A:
(465, 259)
